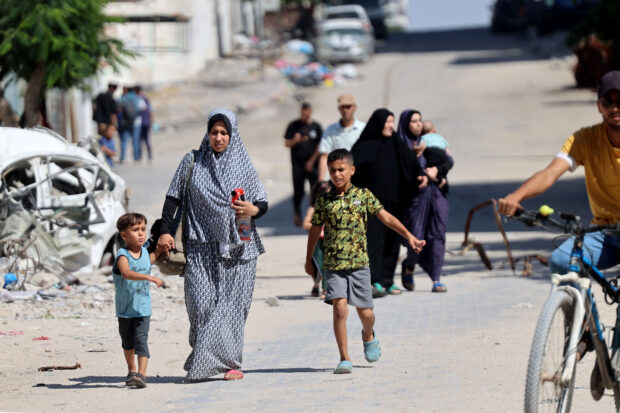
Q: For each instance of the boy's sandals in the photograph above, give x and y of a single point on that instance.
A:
(372, 351)
(233, 375)
(130, 378)
(394, 290)
(344, 367)
(139, 380)
(439, 287)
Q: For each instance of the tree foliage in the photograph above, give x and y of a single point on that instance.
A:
(56, 43)
(604, 23)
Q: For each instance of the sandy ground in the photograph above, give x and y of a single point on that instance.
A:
(462, 351)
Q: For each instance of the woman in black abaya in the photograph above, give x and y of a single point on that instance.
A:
(387, 167)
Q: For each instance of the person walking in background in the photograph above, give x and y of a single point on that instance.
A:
(132, 273)
(131, 106)
(392, 173)
(303, 136)
(427, 214)
(146, 122)
(105, 108)
(106, 143)
(221, 267)
(342, 134)
(342, 214)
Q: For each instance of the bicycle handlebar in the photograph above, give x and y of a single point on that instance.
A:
(569, 224)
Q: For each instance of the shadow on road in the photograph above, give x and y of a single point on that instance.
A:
(494, 48)
(92, 382)
(568, 195)
(299, 370)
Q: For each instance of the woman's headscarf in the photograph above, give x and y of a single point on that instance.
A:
(404, 132)
(384, 164)
(209, 215)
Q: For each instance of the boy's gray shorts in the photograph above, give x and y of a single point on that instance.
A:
(354, 285)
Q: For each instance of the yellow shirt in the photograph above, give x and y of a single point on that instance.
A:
(591, 148)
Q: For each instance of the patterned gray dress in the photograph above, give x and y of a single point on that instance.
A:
(221, 269)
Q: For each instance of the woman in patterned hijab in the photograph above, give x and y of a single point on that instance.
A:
(221, 268)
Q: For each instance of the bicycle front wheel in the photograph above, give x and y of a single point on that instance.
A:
(544, 391)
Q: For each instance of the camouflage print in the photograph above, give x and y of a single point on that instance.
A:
(344, 218)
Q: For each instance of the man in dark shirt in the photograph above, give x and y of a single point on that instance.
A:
(104, 109)
(303, 136)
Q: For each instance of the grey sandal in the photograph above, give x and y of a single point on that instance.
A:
(129, 380)
(139, 381)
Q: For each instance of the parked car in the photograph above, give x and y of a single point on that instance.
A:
(344, 40)
(348, 11)
(67, 195)
(375, 13)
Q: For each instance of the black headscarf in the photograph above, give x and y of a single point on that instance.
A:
(384, 164)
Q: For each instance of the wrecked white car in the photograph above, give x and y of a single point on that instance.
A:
(59, 202)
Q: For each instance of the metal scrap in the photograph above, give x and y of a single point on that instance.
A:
(469, 243)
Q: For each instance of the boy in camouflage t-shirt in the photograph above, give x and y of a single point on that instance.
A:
(344, 213)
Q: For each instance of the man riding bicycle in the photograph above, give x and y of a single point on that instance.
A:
(597, 148)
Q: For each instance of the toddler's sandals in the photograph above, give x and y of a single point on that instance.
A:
(130, 378)
(139, 381)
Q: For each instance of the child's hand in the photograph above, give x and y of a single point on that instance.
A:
(161, 249)
(443, 182)
(157, 281)
(431, 172)
(416, 244)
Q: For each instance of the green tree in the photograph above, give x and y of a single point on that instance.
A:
(55, 43)
(604, 22)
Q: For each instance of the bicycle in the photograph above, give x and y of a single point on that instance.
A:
(568, 316)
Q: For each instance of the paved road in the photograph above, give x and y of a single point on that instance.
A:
(505, 110)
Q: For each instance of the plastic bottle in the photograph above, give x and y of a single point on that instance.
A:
(243, 224)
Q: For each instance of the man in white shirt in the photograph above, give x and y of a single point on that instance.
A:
(342, 134)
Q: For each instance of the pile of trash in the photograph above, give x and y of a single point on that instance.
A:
(302, 69)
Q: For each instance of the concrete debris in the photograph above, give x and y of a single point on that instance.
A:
(272, 301)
